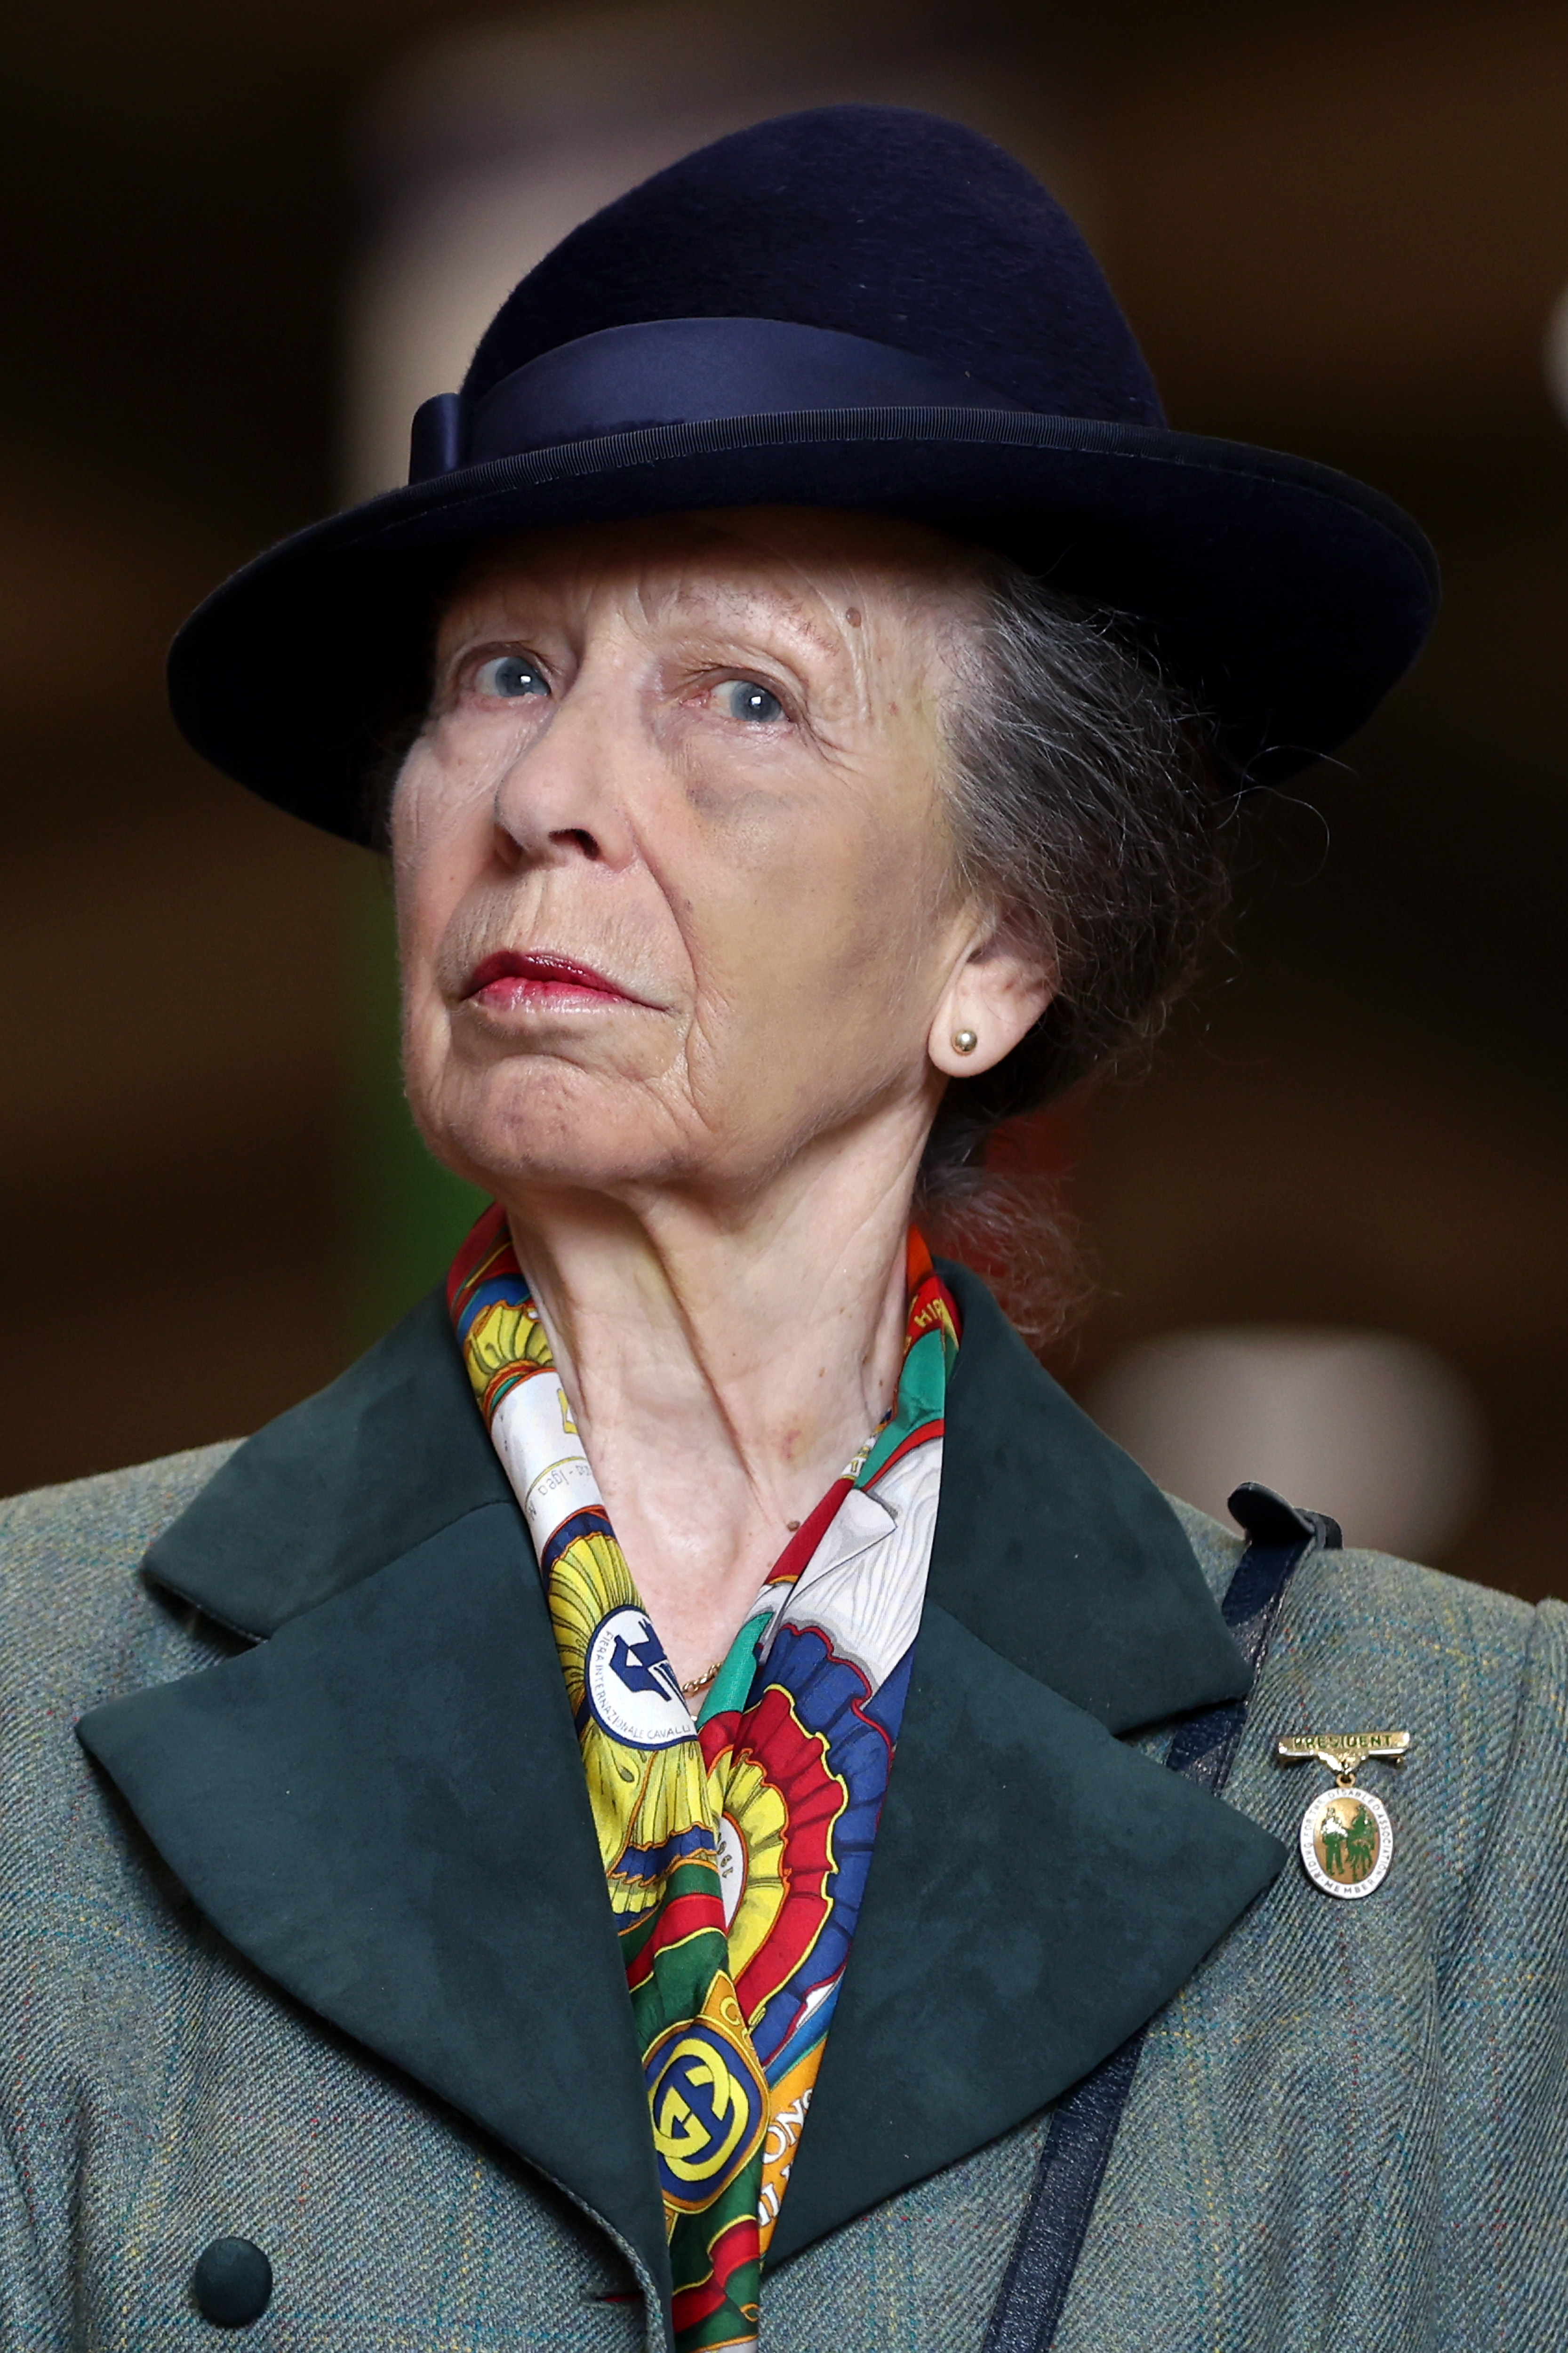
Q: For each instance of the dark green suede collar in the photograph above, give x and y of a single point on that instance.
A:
(383, 1807)
(391, 1453)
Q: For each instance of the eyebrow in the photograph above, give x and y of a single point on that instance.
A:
(718, 604)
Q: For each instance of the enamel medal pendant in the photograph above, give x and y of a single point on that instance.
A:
(1346, 1838)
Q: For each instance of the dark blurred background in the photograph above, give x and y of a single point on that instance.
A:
(240, 241)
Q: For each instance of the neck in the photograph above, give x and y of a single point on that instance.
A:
(723, 1365)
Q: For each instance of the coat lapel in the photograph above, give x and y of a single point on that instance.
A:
(391, 1453)
(1038, 1889)
(383, 1804)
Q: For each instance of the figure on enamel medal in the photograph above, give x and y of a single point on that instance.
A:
(1346, 1838)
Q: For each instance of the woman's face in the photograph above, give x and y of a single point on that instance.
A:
(675, 877)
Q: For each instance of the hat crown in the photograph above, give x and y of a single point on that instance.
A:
(874, 221)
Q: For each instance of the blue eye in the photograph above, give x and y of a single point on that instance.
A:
(510, 675)
(743, 698)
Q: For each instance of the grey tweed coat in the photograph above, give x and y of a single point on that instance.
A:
(305, 1941)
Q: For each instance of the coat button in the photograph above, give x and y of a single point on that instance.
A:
(232, 2283)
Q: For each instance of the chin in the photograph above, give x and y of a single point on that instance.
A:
(541, 1124)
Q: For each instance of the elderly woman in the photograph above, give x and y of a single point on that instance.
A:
(681, 1802)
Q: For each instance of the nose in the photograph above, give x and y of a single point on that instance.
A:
(563, 798)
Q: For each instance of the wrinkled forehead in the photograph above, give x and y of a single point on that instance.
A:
(811, 574)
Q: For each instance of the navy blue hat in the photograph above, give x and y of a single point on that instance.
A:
(857, 307)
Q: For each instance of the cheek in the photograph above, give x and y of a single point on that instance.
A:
(435, 846)
(748, 892)
(442, 809)
(813, 924)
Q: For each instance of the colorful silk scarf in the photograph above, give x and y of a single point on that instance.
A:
(735, 1847)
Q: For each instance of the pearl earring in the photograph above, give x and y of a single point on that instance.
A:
(964, 1041)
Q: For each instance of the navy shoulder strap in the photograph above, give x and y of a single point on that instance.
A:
(1083, 2124)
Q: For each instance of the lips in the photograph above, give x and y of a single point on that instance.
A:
(509, 982)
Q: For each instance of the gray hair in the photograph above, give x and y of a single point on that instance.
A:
(1087, 810)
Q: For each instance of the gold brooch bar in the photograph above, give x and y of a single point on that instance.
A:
(1342, 1752)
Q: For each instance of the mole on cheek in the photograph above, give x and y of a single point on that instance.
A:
(853, 618)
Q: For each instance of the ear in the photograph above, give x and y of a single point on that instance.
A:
(996, 995)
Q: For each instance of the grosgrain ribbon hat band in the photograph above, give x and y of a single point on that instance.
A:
(681, 372)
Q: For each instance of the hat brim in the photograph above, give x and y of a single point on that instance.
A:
(1286, 599)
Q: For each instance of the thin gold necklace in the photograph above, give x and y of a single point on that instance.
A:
(689, 1691)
